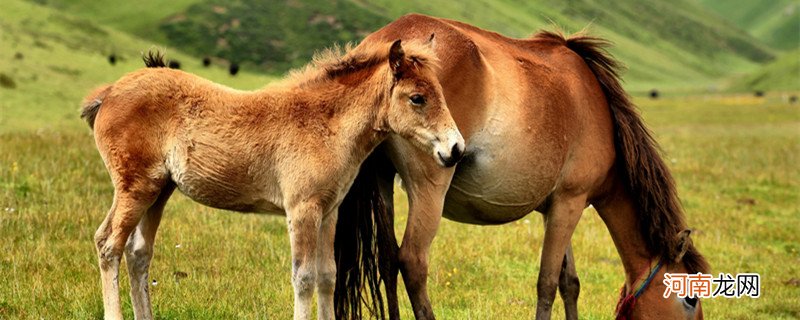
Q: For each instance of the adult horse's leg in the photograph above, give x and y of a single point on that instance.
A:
(139, 252)
(569, 285)
(326, 266)
(130, 203)
(426, 184)
(560, 220)
(304, 220)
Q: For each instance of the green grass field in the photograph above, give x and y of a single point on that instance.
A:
(734, 157)
(735, 160)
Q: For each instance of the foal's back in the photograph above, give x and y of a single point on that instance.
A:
(206, 138)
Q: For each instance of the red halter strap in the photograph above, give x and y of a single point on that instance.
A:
(627, 302)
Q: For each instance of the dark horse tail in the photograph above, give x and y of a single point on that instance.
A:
(645, 174)
(91, 103)
(362, 245)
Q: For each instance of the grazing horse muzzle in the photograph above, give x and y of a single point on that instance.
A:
(450, 150)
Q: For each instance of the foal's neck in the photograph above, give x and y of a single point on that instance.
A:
(349, 105)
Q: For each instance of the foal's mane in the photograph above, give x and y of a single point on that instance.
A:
(337, 61)
(154, 59)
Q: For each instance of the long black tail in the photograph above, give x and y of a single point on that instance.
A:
(361, 244)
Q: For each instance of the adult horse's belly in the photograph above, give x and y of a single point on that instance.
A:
(509, 170)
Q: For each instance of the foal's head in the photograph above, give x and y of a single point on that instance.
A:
(417, 110)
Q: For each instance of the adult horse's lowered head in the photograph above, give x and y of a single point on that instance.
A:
(549, 128)
(292, 148)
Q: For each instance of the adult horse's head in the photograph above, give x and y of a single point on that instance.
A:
(417, 110)
(645, 298)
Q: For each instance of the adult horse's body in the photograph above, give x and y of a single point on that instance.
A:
(292, 148)
(548, 128)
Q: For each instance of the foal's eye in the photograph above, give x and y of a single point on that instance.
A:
(417, 99)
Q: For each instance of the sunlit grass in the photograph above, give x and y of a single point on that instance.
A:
(734, 157)
(54, 192)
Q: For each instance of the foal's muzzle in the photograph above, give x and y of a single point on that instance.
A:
(450, 156)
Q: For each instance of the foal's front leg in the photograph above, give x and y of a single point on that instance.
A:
(304, 220)
(326, 266)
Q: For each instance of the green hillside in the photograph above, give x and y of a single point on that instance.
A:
(774, 22)
(49, 60)
(274, 37)
(677, 44)
(140, 18)
(783, 74)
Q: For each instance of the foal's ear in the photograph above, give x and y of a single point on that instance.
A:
(432, 41)
(684, 243)
(397, 59)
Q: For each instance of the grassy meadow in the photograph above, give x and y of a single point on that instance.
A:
(734, 157)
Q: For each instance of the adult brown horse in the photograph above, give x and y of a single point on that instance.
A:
(292, 148)
(548, 128)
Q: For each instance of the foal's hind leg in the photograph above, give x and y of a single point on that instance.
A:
(110, 238)
(139, 252)
(569, 285)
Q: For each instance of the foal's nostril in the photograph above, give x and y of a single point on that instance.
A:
(456, 153)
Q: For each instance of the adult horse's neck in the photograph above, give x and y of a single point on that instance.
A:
(618, 211)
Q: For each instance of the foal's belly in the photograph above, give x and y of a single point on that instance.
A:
(223, 181)
(507, 173)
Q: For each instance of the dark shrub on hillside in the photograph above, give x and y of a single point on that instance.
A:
(233, 69)
(7, 82)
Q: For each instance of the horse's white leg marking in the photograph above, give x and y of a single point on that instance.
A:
(303, 223)
(326, 266)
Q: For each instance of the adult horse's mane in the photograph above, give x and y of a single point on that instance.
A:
(647, 178)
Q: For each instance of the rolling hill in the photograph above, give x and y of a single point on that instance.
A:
(49, 60)
(676, 44)
(774, 22)
(783, 74)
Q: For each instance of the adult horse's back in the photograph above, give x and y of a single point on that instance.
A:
(548, 128)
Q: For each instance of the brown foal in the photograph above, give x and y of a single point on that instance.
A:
(292, 148)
